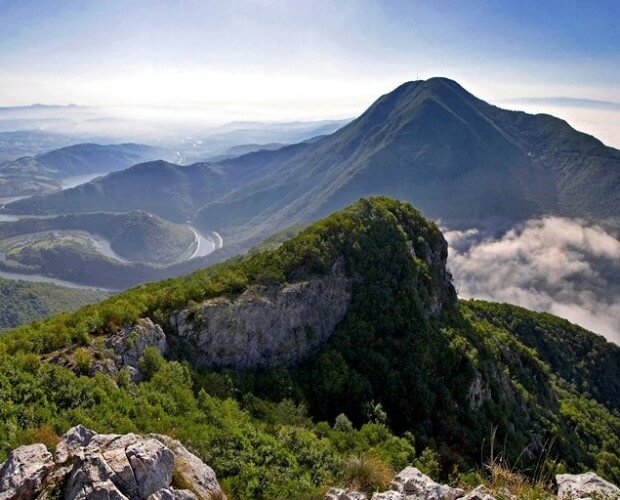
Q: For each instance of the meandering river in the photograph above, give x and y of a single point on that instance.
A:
(205, 243)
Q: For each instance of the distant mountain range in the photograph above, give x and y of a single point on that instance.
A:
(460, 159)
(39, 106)
(43, 173)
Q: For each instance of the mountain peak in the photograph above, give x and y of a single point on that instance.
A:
(436, 84)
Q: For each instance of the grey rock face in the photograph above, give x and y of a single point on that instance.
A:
(192, 471)
(585, 486)
(266, 325)
(126, 347)
(24, 471)
(107, 466)
(410, 481)
(172, 494)
(478, 393)
(344, 494)
(72, 443)
(480, 493)
(388, 495)
(152, 464)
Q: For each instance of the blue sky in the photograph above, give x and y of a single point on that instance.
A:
(305, 59)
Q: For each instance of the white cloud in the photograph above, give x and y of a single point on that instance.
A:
(563, 266)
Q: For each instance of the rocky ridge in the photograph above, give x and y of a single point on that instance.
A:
(87, 465)
(411, 484)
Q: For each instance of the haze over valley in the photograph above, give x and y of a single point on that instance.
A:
(355, 251)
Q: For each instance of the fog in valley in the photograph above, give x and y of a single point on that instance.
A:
(563, 266)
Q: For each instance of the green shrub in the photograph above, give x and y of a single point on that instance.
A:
(367, 473)
(151, 362)
(342, 423)
(83, 360)
(428, 463)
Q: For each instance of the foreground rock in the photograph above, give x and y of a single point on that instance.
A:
(23, 473)
(108, 466)
(344, 494)
(410, 481)
(582, 486)
(411, 484)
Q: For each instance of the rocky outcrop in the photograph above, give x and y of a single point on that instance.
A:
(410, 481)
(478, 393)
(585, 486)
(265, 325)
(344, 494)
(125, 348)
(108, 466)
(411, 484)
(22, 475)
(443, 295)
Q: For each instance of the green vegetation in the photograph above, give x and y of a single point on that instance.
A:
(588, 362)
(23, 302)
(143, 237)
(410, 376)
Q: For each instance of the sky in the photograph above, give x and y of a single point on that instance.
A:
(282, 60)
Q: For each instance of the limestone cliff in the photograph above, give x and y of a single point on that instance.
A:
(265, 325)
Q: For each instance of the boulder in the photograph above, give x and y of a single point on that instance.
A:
(479, 493)
(90, 477)
(152, 465)
(172, 494)
(72, 443)
(410, 481)
(344, 494)
(190, 471)
(24, 472)
(585, 486)
(108, 467)
(388, 495)
(124, 476)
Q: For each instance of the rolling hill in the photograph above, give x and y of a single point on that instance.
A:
(44, 173)
(168, 190)
(25, 302)
(136, 236)
(354, 320)
(100, 249)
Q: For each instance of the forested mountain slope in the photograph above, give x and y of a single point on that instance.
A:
(24, 302)
(356, 315)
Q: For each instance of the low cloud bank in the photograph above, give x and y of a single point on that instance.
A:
(562, 266)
